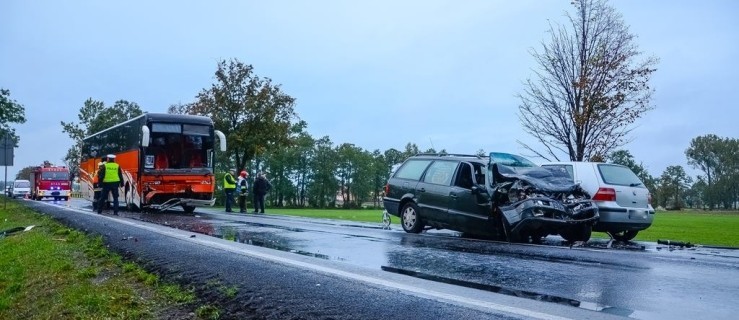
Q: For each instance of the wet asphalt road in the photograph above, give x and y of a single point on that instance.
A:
(637, 280)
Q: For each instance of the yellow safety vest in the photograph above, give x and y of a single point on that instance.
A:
(111, 172)
(227, 185)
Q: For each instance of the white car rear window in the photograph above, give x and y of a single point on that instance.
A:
(619, 175)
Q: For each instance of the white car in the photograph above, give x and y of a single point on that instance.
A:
(21, 188)
(624, 203)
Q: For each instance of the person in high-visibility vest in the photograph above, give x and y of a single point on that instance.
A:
(229, 185)
(112, 179)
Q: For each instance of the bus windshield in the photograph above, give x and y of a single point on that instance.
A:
(175, 146)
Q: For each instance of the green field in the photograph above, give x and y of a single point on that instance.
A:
(705, 228)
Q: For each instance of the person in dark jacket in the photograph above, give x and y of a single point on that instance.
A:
(261, 187)
(112, 179)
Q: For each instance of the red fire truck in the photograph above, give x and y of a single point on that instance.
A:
(48, 180)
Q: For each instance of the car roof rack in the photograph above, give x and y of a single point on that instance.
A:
(450, 155)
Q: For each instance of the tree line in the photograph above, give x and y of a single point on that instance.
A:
(717, 188)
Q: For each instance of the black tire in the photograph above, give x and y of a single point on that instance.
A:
(580, 232)
(508, 234)
(188, 209)
(410, 219)
(538, 237)
(624, 235)
(65, 198)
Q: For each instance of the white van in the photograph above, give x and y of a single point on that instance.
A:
(21, 188)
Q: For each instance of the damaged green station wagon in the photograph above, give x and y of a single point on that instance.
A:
(501, 196)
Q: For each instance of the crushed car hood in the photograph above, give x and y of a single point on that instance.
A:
(543, 179)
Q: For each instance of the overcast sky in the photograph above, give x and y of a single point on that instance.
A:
(378, 74)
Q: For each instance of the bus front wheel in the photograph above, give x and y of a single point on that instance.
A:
(188, 209)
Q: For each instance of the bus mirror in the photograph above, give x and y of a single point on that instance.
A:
(221, 140)
(145, 136)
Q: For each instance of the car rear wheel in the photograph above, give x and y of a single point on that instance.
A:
(577, 233)
(188, 209)
(624, 235)
(410, 220)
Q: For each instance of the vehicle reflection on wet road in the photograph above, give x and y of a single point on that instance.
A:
(636, 280)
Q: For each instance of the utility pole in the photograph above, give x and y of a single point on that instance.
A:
(6, 159)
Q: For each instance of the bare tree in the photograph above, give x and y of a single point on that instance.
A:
(589, 87)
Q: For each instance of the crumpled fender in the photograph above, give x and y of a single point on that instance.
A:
(521, 215)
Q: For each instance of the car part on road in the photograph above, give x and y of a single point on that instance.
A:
(675, 243)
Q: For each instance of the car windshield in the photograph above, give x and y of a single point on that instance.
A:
(22, 184)
(510, 160)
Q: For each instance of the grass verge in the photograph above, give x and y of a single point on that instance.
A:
(53, 272)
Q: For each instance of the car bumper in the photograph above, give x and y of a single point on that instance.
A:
(544, 215)
(54, 193)
(391, 206)
(197, 203)
(621, 219)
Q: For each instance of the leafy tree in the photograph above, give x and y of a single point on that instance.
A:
(695, 195)
(727, 173)
(25, 173)
(673, 183)
(253, 113)
(10, 112)
(304, 148)
(718, 158)
(703, 154)
(284, 164)
(411, 149)
(355, 173)
(93, 117)
(323, 183)
(589, 86)
(393, 156)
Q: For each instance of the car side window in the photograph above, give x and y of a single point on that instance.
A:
(464, 176)
(412, 169)
(479, 174)
(440, 172)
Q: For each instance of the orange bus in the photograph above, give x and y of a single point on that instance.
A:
(167, 160)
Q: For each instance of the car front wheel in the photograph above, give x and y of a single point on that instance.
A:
(577, 233)
(410, 219)
(624, 235)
